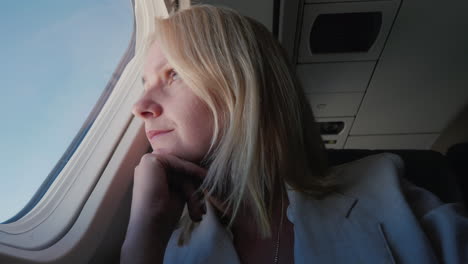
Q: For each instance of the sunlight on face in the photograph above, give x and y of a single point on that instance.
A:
(175, 119)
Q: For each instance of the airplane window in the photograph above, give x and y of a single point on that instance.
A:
(60, 60)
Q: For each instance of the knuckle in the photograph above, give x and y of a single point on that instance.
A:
(148, 158)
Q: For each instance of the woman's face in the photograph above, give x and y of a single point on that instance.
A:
(175, 119)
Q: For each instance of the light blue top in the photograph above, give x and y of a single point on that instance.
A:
(378, 217)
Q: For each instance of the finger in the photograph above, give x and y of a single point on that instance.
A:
(186, 177)
(149, 171)
(187, 168)
(195, 200)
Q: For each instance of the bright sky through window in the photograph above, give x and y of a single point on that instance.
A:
(57, 57)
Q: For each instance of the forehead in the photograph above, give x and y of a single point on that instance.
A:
(155, 60)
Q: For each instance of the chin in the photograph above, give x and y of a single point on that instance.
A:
(164, 150)
(182, 154)
(171, 151)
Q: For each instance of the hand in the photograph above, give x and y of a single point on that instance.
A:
(163, 184)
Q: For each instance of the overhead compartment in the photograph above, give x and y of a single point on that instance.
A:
(420, 83)
(339, 45)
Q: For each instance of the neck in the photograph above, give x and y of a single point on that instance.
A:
(243, 223)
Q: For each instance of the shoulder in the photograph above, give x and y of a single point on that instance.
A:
(371, 177)
(373, 181)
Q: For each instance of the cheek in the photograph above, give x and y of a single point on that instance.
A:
(199, 124)
(197, 128)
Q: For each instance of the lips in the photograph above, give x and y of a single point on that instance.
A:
(152, 133)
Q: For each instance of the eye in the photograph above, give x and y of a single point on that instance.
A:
(173, 75)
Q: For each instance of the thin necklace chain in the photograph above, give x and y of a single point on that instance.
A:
(279, 232)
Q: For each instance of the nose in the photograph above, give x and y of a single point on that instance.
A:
(146, 108)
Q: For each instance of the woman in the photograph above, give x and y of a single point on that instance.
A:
(235, 143)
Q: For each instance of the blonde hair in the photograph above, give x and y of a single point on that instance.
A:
(264, 129)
